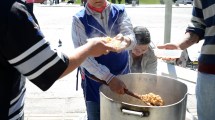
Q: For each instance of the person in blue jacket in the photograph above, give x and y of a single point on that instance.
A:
(102, 19)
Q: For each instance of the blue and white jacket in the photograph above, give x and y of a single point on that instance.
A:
(203, 23)
(112, 21)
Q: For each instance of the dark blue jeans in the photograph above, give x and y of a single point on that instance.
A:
(93, 108)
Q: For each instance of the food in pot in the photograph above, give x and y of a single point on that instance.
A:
(152, 99)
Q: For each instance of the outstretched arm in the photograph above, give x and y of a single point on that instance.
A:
(189, 39)
(92, 48)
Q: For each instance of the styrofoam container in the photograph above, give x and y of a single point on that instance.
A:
(165, 53)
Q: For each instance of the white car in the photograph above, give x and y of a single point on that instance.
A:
(177, 2)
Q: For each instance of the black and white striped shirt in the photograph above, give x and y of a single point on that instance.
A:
(24, 53)
(203, 24)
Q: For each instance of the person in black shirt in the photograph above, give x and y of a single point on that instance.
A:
(24, 53)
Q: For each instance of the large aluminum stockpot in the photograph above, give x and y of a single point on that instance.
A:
(123, 107)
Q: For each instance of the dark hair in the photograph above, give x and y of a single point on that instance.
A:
(142, 35)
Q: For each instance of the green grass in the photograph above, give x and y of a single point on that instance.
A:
(123, 1)
(149, 1)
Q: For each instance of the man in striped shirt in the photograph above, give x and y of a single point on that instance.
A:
(202, 27)
(24, 53)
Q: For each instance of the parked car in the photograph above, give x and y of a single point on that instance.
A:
(177, 2)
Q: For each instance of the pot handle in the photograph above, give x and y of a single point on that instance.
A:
(131, 112)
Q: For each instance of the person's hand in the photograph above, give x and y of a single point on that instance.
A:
(99, 47)
(123, 42)
(35, 1)
(117, 86)
(168, 46)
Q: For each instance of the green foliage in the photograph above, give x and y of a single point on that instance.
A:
(149, 1)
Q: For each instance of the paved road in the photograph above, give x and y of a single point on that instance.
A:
(62, 101)
(57, 20)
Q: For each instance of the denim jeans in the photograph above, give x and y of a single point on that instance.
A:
(205, 93)
(93, 108)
